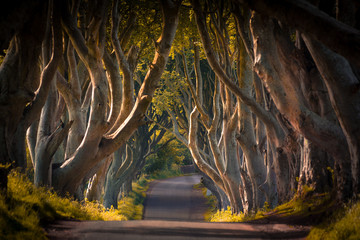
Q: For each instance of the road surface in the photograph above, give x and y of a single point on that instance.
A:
(173, 212)
(175, 199)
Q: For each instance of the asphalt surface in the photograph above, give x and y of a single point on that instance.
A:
(173, 211)
(175, 199)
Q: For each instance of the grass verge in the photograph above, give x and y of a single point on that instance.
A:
(342, 224)
(306, 208)
(26, 208)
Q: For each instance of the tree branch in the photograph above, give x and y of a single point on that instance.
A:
(308, 19)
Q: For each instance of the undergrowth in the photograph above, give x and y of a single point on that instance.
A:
(227, 216)
(215, 215)
(132, 206)
(303, 204)
(163, 174)
(343, 224)
(26, 208)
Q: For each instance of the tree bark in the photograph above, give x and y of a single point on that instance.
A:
(308, 19)
(343, 87)
(278, 68)
(95, 145)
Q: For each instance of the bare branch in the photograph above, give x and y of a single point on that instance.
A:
(308, 19)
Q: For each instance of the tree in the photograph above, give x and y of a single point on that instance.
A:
(97, 133)
(96, 144)
(260, 105)
(24, 90)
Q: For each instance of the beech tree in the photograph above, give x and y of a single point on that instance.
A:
(310, 125)
(282, 64)
(24, 84)
(97, 143)
(264, 95)
(97, 132)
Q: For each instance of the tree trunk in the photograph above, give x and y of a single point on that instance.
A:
(333, 67)
(315, 172)
(306, 18)
(95, 145)
(278, 67)
(96, 184)
(113, 185)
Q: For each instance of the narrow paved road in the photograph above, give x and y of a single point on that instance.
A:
(175, 199)
(173, 212)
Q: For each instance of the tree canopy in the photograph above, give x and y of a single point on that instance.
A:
(264, 95)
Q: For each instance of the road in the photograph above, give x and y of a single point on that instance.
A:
(173, 212)
(175, 199)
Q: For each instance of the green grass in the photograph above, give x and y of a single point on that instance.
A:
(132, 206)
(163, 174)
(303, 204)
(26, 208)
(343, 224)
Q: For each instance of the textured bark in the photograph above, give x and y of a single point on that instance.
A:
(31, 135)
(113, 184)
(127, 66)
(95, 145)
(222, 202)
(19, 80)
(96, 184)
(315, 172)
(115, 87)
(198, 159)
(343, 86)
(308, 19)
(266, 117)
(48, 136)
(247, 139)
(70, 91)
(278, 67)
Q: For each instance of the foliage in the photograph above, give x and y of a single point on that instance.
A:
(168, 157)
(344, 224)
(170, 92)
(227, 216)
(303, 204)
(26, 208)
(132, 206)
(187, 30)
